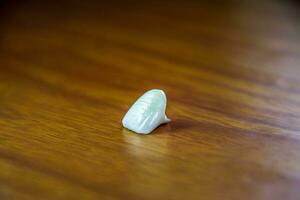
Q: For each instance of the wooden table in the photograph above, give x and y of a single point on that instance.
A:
(70, 70)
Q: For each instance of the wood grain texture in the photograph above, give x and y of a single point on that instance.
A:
(69, 70)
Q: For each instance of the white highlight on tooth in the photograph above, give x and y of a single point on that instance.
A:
(147, 113)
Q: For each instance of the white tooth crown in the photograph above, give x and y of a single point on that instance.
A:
(147, 113)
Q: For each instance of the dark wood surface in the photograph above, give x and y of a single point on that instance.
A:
(70, 70)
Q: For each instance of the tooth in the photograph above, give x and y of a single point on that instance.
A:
(147, 113)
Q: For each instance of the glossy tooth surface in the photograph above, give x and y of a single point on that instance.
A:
(147, 113)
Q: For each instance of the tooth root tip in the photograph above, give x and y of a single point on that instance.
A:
(167, 119)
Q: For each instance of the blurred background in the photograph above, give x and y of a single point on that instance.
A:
(69, 71)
